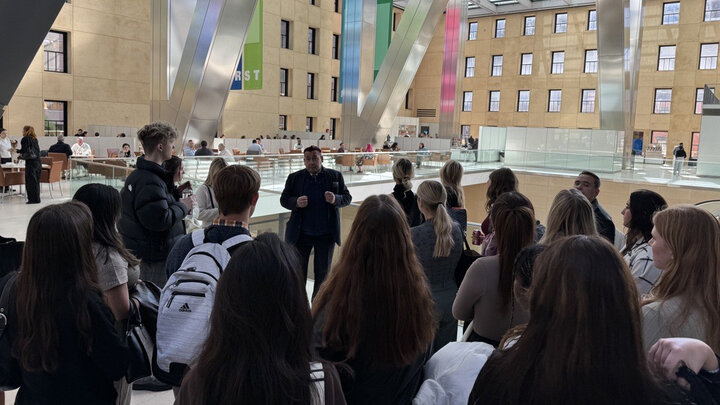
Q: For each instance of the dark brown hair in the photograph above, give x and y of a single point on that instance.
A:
(377, 291)
(29, 130)
(56, 270)
(154, 134)
(258, 347)
(502, 181)
(513, 220)
(234, 187)
(643, 205)
(583, 343)
(312, 148)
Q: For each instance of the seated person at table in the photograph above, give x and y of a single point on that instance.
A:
(204, 150)
(255, 148)
(61, 147)
(81, 148)
(125, 152)
(223, 151)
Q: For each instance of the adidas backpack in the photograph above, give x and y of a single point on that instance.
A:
(185, 305)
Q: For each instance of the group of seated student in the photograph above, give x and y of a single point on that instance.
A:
(566, 319)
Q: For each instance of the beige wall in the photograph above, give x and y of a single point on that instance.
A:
(108, 79)
(681, 122)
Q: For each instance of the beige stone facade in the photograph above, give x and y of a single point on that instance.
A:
(686, 77)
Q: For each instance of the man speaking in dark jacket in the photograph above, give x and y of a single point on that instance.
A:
(314, 195)
(152, 218)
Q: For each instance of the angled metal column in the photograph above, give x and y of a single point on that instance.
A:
(23, 27)
(408, 46)
(452, 72)
(619, 65)
(209, 59)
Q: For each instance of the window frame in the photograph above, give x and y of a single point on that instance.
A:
(494, 105)
(589, 103)
(285, 38)
(553, 64)
(467, 101)
(715, 11)
(523, 65)
(312, 41)
(309, 124)
(310, 86)
(694, 146)
(333, 127)
(657, 104)
(664, 14)
(592, 63)
(497, 28)
(663, 62)
(592, 24)
(469, 70)
(525, 25)
(712, 59)
(282, 122)
(494, 67)
(551, 101)
(334, 80)
(336, 47)
(472, 34)
(64, 54)
(526, 103)
(698, 94)
(560, 25)
(46, 127)
(286, 82)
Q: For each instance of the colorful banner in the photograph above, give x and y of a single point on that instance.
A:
(249, 72)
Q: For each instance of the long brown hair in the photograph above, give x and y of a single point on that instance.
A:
(570, 214)
(502, 180)
(29, 130)
(450, 177)
(513, 219)
(377, 291)
(58, 273)
(258, 347)
(583, 343)
(693, 236)
(643, 204)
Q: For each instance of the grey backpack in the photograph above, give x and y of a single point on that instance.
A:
(185, 306)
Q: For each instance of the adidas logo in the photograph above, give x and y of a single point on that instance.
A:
(185, 308)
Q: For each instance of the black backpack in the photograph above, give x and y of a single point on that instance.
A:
(10, 255)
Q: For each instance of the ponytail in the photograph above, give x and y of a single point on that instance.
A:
(433, 195)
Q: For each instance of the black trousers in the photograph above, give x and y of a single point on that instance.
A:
(324, 248)
(32, 180)
(3, 161)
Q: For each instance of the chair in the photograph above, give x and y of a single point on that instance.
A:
(236, 151)
(138, 154)
(370, 162)
(384, 160)
(8, 179)
(113, 152)
(63, 158)
(345, 160)
(54, 175)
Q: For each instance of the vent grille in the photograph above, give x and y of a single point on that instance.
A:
(426, 112)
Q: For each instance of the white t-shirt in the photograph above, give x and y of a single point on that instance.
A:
(225, 152)
(5, 147)
(81, 150)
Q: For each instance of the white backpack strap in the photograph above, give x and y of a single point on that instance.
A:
(317, 376)
(236, 240)
(198, 237)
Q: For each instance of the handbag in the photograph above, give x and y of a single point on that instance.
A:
(10, 377)
(467, 258)
(141, 329)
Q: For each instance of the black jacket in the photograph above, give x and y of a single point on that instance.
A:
(29, 147)
(61, 147)
(294, 189)
(408, 202)
(603, 222)
(152, 218)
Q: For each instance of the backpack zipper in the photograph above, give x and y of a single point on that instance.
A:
(174, 293)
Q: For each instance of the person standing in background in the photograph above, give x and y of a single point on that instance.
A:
(30, 153)
(588, 183)
(679, 155)
(314, 195)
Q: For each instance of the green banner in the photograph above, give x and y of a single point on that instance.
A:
(252, 57)
(383, 31)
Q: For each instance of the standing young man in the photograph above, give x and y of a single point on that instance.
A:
(314, 195)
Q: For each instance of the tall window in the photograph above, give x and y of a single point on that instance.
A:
(333, 127)
(666, 58)
(55, 50)
(560, 22)
(526, 64)
(407, 100)
(663, 99)
(660, 138)
(312, 3)
(591, 61)
(708, 56)
(465, 131)
(529, 27)
(497, 61)
(333, 89)
(312, 35)
(555, 101)
(470, 66)
(337, 6)
(283, 122)
(467, 101)
(592, 20)
(311, 86)
(336, 46)
(500, 28)
(308, 124)
(494, 104)
(588, 101)
(284, 34)
(472, 31)
(284, 76)
(55, 113)
(712, 10)
(523, 104)
(558, 62)
(699, 95)
(694, 145)
(671, 13)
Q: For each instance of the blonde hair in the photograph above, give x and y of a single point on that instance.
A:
(216, 165)
(450, 176)
(403, 172)
(432, 195)
(570, 214)
(693, 236)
